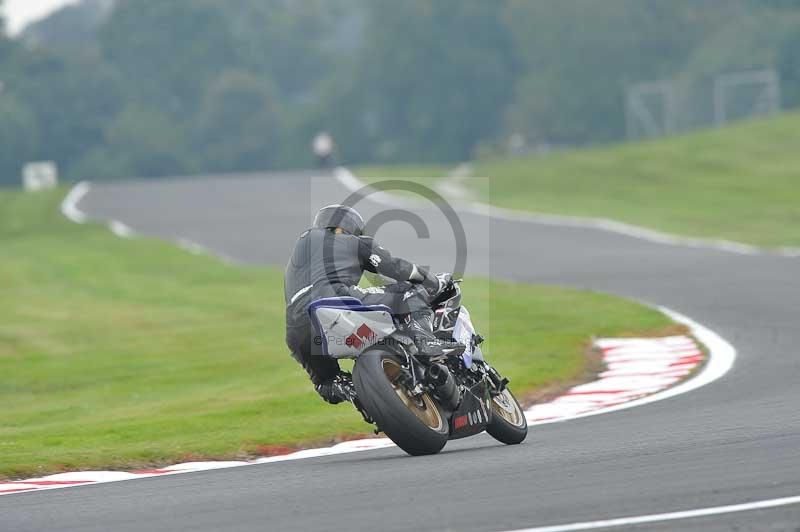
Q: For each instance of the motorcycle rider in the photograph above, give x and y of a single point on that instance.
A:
(328, 261)
(323, 146)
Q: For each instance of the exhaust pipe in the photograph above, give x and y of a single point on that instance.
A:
(444, 385)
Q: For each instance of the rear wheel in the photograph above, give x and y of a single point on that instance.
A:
(416, 424)
(508, 423)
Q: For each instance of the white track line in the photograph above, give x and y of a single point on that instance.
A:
(120, 229)
(352, 183)
(647, 375)
(193, 247)
(720, 360)
(69, 207)
(672, 516)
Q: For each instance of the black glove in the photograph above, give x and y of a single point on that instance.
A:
(435, 284)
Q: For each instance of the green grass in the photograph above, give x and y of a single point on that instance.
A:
(740, 183)
(417, 174)
(421, 175)
(128, 353)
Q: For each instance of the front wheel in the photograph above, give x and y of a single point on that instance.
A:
(416, 424)
(508, 423)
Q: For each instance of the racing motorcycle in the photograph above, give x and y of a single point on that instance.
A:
(419, 402)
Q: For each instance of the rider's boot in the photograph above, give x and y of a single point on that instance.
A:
(420, 328)
(340, 389)
(337, 389)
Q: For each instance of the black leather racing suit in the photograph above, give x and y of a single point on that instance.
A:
(326, 264)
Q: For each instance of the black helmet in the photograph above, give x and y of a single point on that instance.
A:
(340, 216)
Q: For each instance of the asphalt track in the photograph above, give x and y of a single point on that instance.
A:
(733, 441)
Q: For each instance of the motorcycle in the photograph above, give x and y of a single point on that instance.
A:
(419, 402)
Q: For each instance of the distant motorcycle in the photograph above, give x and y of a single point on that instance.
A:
(419, 402)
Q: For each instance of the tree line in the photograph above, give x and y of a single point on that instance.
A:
(113, 89)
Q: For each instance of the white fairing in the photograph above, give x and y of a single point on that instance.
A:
(463, 332)
(349, 333)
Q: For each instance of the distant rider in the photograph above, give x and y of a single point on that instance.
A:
(322, 146)
(314, 272)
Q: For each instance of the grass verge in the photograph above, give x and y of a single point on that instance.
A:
(418, 174)
(131, 353)
(427, 176)
(739, 183)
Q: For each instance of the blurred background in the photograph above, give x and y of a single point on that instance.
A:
(110, 89)
(672, 115)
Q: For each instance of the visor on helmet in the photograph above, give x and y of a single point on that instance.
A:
(340, 216)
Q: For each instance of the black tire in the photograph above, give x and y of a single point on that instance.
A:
(508, 423)
(386, 404)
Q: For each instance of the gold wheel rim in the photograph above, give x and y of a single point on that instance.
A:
(506, 407)
(424, 407)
